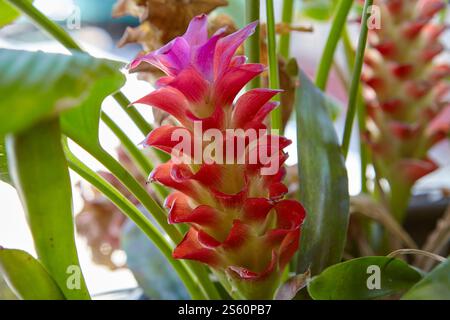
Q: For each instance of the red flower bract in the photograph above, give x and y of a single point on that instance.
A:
(239, 223)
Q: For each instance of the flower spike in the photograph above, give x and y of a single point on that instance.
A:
(240, 225)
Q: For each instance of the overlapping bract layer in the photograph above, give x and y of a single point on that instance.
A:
(239, 223)
(408, 104)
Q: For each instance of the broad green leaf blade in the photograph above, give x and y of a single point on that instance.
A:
(363, 278)
(323, 182)
(81, 124)
(4, 173)
(7, 13)
(40, 173)
(27, 277)
(57, 82)
(434, 286)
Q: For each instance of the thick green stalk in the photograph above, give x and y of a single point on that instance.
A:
(399, 197)
(40, 174)
(252, 45)
(274, 81)
(137, 217)
(356, 79)
(326, 61)
(285, 39)
(141, 160)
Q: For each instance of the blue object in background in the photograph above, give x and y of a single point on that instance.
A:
(99, 12)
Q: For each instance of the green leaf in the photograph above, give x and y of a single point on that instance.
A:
(27, 277)
(7, 13)
(82, 124)
(40, 173)
(324, 186)
(321, 10)
(57, 82)
(435, 285)
(4, 173)
(352, 279)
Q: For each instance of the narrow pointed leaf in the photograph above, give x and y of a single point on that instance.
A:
(434, 286)
(323, 182)
(27, 277)
(357, 279)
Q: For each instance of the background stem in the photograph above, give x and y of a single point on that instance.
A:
(356, 76)
(140, 159)
(252, 45)
(361, 112)
(138, 218)
(285, 39)
(274, 81)
(326, 61)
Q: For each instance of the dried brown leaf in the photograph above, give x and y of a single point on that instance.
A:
(292, 286)
(438, 239)
(365, 205)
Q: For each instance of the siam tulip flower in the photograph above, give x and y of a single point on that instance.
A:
(239, 223)
(408, 109)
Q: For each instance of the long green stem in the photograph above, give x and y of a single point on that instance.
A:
(274, 81)
(356, 75)
(46, 24)
(141, 160)
(252, 45)
(286, 17)
(156, 211)
(137, 190)
(326, 61)
(137, 217)
(363, 150)
(361, 112)
(139, 120)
